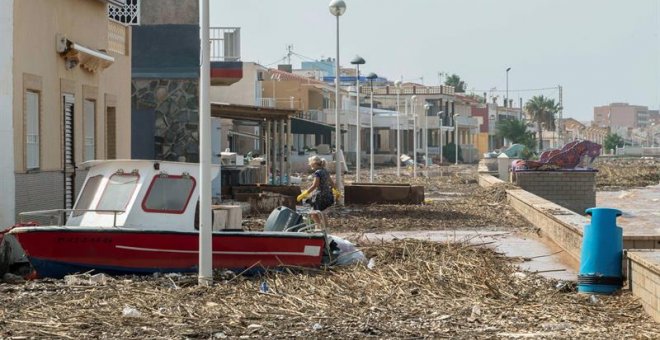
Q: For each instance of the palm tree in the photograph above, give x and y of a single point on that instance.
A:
(542, 110)
(455, 81)
(516, 131)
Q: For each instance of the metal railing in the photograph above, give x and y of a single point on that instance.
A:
(391, 90)
(267, 102)
(60, 214)
(225, 43)
(315, 115)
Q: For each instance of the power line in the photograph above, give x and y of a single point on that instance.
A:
(302, 56)
(276, 61)
(521, 90)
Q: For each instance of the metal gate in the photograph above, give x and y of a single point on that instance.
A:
(69, 155)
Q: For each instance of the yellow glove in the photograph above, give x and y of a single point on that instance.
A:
(336, 193)
(302, 196)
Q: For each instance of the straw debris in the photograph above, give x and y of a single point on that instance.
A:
(414, 289)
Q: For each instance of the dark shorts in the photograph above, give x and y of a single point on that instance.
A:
(323, 203)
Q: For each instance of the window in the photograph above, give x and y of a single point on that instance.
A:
(127, 14)
(87, 194)
(118, 192)
(32, 143)
(89, 127)
(169, 194)
(111, 133)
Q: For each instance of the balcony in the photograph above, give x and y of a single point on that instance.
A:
(409, 90)
(225, 43)
(225, 50)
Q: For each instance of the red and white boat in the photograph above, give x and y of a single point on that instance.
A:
(139, 217)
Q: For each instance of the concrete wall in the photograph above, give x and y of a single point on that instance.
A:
(644, 278)
(573, 190)
(244, 92)
(7, 184)
(179, 12)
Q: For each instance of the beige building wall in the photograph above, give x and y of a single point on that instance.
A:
(244, 92)
(621, 115)
(38, 67)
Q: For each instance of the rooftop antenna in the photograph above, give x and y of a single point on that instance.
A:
(289, 52)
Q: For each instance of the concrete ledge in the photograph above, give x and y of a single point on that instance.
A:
(644, 279)
(561, 225)
(486, 180)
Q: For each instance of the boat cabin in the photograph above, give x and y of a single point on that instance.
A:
(141, 194)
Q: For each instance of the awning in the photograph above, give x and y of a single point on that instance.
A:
(301, 126)
(76, 54)
(248, 112)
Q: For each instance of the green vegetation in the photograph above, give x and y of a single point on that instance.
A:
(542, 111)
(449, 152)
(455, 81)
(612, 141)
(516, 131)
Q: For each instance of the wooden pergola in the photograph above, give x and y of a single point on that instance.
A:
(275, 132)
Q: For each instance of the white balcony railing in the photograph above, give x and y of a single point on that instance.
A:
(267, 102)
(225, 43)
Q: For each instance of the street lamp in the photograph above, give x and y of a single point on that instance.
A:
(440, 132)
(337, 8)
(456, 136)
(506, 101)
(397, 84)
(425, 137)
(357, 61)
(412, 107)
(371, 78)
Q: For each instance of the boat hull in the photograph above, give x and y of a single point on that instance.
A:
(56, 251)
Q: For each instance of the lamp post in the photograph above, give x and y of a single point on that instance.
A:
(425, 137)
(440, 133)
(337, 8)
(506, 100)
(205, 256)
(397, 84)
(371, 78)
(357, 61)
(412, 106)
(456, 137)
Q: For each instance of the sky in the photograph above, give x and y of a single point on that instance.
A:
(599, 51)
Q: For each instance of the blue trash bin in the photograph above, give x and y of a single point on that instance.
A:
(602, 253)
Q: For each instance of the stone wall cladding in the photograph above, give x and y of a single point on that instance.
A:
(42, 191)
(175, 102)
(644, 275)
(575, 191)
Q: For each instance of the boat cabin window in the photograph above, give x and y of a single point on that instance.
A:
(118, 192)
(169, 194)
(87, 194)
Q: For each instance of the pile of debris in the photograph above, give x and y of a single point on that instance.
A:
(408, 289)
(454, 201)
(624, 173)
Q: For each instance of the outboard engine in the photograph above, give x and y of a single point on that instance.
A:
(283, 218)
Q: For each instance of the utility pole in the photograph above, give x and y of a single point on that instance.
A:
(561, 116)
